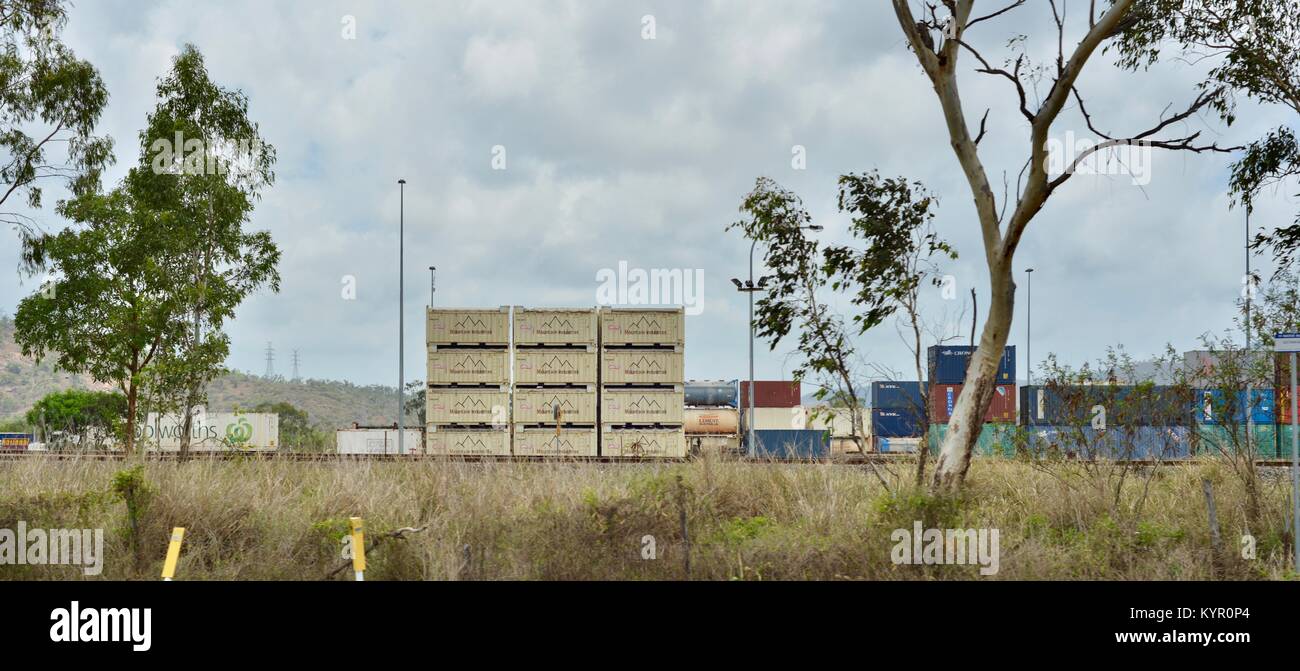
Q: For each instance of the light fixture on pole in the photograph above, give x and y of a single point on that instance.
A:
(749, 287)
(432, 284)
(1029, 320)
(401, 321)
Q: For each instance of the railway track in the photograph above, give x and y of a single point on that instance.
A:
(845, 460)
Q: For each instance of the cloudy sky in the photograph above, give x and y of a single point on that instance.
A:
(621, 148)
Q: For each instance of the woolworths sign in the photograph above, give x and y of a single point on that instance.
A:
(212, 431)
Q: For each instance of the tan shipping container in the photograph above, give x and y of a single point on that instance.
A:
(555, 366)
(468, 366)
(537, 406)
(669, 443)
(717, 444)
(642, 406)
(712, 421)
(643, 326)
(555, 326)
(642, 367)
(545, 442)
(839, 421)
(847, 446)
(468, 326)
(467, 442)
(467, 405)
(777, 418)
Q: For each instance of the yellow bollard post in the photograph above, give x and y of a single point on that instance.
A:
(173, 554)
(358, 548)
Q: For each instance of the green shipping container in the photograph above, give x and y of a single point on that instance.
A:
(996, 440)
(1271, 441)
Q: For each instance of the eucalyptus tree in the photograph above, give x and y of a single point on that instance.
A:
(49, 99)
(204, 160)
(938, 36)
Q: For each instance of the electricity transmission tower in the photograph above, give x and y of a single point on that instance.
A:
(270, 361)
(296, 376)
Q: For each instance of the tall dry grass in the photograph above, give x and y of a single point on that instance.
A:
(263, 520)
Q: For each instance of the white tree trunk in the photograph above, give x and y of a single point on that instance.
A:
(977, 392)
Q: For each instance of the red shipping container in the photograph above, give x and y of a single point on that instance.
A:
(943, 398)
(772, 394)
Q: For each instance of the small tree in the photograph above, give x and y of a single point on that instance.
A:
(113, 310)
(891, 216)
(91, 416)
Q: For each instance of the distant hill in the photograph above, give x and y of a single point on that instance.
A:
(329, 404)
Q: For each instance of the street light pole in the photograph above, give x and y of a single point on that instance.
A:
(1029, 321)
(749, 287)
(432, 285)
(401, 320)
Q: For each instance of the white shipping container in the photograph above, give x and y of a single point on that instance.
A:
(839, 421)
(783, 419)
(212, 431)
(377, 441)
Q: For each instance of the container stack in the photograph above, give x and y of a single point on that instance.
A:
(947, 365)
(642, 378)
(898, 415)
(468, 400)
(780, 422)
(1107, 421)
(1221, 422)
(712, 417)
(555, 382)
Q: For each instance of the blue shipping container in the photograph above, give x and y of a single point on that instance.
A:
(711, 394)
(1110, 405)
(890, 423)
(1130, 442)
(898, 395)
(792, 444)
(1212, 403)
(948, 363)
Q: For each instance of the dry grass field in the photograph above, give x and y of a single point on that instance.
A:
(276, 520)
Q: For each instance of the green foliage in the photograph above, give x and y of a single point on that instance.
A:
(891, 217)
(296, 432)
(80, 412)
(50, 98)
(1254, 47)
(208, 185)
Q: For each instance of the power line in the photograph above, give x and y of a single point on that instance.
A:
(270, 361)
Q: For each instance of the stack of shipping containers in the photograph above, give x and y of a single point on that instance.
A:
(1108, 421)
(555, 382)
(712, 418)
(467, 400)
(898, 416)
(947, 366)
(1216, 433)
(642, 378)
(781, 422)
